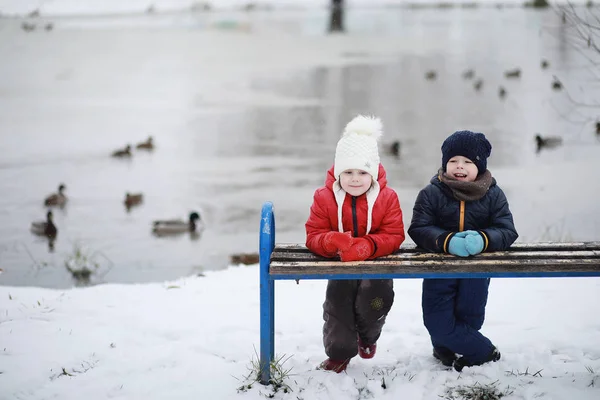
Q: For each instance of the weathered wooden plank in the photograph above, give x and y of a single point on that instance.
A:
(555, 246)
(475, 262)
(429, 266)
(294, 247)
(498, 255)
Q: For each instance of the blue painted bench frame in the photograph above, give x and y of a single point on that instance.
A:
(267, 282)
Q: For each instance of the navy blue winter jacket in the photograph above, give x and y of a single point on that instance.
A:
(437, 216)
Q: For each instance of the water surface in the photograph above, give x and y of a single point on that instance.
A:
(247, 107)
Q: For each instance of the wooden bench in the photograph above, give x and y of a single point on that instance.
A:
(294, 261)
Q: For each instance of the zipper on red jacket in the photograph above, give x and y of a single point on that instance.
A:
(354, 218)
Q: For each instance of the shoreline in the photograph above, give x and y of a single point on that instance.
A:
(34, 12)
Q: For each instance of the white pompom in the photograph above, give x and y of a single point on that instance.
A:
(364, 125)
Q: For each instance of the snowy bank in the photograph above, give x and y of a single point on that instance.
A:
(195, 338)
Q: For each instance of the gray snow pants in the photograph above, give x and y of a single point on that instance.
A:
(353, 309)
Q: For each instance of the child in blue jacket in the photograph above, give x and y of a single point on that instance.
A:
(462, 212)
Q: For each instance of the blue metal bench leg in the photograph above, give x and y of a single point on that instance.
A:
(267, 293)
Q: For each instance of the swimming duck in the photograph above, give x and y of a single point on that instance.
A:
(45, 228)
(547, 142)
(27, 27)
(174, 226)
(544, 64)
(56, 199)
(501, 92)
(556, 84)
(430, 75)
(597, 127)
(478, 84)
(392, 148)
(133, 199)
(147, 145)
(514, 73)
(468, 74)
(395, 148)
(126, 152)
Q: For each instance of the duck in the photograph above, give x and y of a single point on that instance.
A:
(597, 127)
(393, 148)
(556, 84)
(544, 64)
(126, 152)
(133, 199)
(501, 92)
(469, 74)
(174, 226)
(28, 27)
(547, 142)
(514, 73)
(478, 84)
(430, 75)
(147, 145)
(56, 199)
(45, 228)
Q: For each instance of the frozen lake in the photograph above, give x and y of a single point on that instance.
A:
(247, 107)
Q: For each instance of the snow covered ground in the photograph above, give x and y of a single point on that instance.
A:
(195, 338)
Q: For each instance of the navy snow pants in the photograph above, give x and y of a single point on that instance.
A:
(453, 313)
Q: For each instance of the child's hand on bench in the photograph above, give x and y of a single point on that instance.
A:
(360, 250)
(474, 243)
(334, 242)
(466, 243)
(458, 245)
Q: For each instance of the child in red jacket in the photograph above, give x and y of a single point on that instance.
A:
(355, 217)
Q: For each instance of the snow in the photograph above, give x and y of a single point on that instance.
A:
(197, 337)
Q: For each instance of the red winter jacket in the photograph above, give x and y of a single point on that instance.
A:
(387, 228)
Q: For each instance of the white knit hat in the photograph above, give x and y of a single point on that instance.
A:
(357, 149)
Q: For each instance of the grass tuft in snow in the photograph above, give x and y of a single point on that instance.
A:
(82, 264)
(537, 374)
(81, 369)
(595, 377)
(477, 391)
(280, 374)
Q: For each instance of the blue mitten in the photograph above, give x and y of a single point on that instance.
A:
(474, 243)
(465, 234)
(457, 246)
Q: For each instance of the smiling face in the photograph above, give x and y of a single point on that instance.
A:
(355, 181)
(462, 169)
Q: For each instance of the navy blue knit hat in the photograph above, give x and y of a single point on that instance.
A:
(468, 144)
